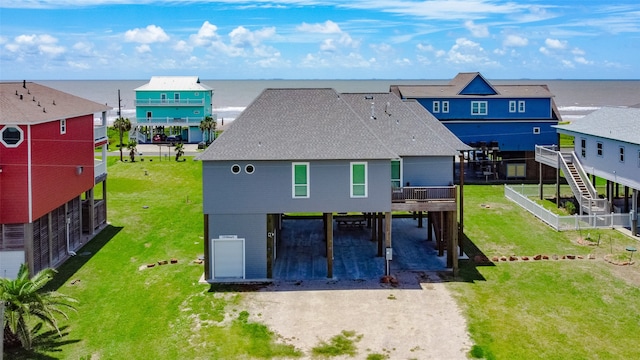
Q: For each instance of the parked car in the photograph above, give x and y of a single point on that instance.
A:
(174, 138)
(159, 137)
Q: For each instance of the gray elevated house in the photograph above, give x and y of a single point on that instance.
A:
(346, 156)
(606, 145)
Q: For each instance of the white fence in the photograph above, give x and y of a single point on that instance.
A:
(562, 223)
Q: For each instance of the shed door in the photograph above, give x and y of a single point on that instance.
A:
(227, 253)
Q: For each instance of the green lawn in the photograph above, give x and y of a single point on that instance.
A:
(129, 311)
(564, 309)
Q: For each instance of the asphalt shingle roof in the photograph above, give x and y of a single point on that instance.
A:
(461, 80)
(321, 124)
(621, 124)
(34, 103)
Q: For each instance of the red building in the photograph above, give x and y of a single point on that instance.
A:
(52, 157)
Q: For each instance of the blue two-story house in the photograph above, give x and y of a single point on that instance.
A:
(172, 105)
(503, 123)
(323, 152)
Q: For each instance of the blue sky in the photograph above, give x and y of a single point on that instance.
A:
(319, 39)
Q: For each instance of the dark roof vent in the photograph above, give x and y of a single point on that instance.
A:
(54, 102)
(24, 84)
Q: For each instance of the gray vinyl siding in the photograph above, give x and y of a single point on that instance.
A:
(268, 189)
(608, 165)
(252, 228)
(427, 171)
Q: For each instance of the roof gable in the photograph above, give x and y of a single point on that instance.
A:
(473, 84)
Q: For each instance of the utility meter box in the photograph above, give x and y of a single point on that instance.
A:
(389, 254)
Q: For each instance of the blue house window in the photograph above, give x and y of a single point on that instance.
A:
(583, 148)
(512, 106)
(621, 153)
(436, 106)
(445, 106)
(176, 97)
(300, 179)
(599, 148)
(358, 179)
(521, 106)
(163, 98)
(478, 108)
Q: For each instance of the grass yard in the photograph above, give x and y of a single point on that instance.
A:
(556, 309)
(129, 311)
(551, 309)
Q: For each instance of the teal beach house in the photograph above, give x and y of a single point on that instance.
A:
(172, 106)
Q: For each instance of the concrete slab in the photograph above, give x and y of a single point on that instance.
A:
(301, 254)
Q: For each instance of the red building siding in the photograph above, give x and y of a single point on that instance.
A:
(55, 161)
(13, 182)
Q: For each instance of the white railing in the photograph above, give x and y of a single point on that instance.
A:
(169, 102)
(99, 132)
(570, 222)
(99, 168)
(547, 154)
(167, 121)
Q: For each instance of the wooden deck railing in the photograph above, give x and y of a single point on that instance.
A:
(423, 194)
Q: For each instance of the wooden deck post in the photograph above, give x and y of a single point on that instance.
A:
(439, 238)
(387, 228)
(461, 198)
(454, 244)
(374, 227)
(420, 219)
(380, 235)
(329, 229)
(429, 227)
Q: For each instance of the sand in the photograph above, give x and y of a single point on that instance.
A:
(415, 319)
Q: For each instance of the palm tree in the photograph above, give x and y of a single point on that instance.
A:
(122, 124)
(132, 149)
(208, 126)
(179, 150)
(24, 303)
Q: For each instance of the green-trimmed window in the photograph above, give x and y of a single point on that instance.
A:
(300, 179)
(358, 179)
(396, 173)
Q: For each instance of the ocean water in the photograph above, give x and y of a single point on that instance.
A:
(574, 98)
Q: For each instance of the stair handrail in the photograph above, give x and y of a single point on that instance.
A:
(576, 162)
(575, 189)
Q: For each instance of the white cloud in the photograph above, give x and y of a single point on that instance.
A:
(182, 46)
(423, 47)
(328, 27)
(143, 48)
(328, 45)
(515, 41)
(555, 44)
(479, 31)
(25, 45)
(205, 36)
(149, 35)
(466, 51)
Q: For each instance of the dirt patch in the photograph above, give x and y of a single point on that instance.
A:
(415, 319)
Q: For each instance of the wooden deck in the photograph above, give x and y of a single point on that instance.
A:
(417, 198)
(301, 253)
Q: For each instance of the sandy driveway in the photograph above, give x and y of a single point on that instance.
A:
(418, 319)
